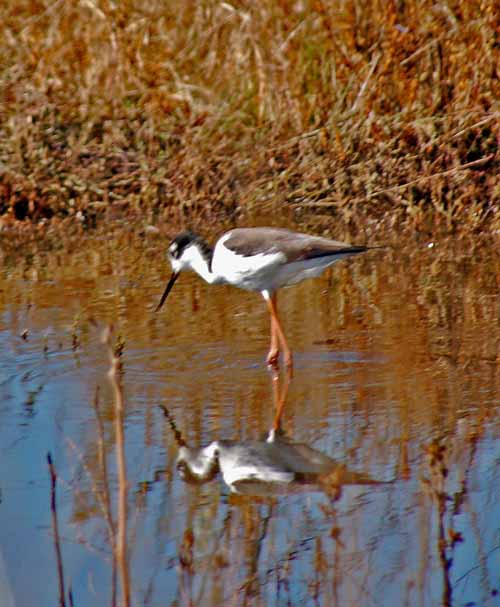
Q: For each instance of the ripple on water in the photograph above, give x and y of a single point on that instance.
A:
(395, 377)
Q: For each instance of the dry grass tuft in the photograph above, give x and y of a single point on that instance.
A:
(171, 109)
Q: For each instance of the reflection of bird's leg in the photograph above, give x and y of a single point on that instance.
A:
(278, 404)
(331, 483)
(279, 398)
(277, 337)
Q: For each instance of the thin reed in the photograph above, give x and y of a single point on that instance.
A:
(120, 543)
(55, 529)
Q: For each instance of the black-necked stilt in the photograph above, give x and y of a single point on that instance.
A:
(275, 464)
(257, 259)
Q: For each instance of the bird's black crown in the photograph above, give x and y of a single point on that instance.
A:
(186, 239)
(180, 243)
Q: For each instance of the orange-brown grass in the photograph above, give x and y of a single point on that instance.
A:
(205, 109)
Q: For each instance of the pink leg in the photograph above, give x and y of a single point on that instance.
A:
(277, 337)
(274, 351)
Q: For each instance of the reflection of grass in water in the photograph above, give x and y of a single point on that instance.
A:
(30, 401)
(101, 493)
(120, 544)
(449, 507)
(432, 317)
(55, 528)
(104, 495)
(428, 311)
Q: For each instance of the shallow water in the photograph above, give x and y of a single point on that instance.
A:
(396, 377)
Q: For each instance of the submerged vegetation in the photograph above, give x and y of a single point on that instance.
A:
(157, 110)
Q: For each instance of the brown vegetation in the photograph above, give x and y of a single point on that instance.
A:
(167, 110)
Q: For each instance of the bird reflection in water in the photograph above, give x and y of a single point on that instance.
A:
(274, 465)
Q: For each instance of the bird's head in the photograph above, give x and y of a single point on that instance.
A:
(180, 251)
(186, 252)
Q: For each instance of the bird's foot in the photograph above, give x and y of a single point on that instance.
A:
(273, 359)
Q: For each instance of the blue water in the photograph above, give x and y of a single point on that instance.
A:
(352, 400)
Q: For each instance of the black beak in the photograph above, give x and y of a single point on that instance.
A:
(168, 288)
(178, 436)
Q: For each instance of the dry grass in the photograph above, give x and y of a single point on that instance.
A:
(167, 110)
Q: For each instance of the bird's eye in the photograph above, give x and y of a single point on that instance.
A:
(173, 250)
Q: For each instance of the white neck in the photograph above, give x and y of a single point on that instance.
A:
(202, 463)
(193, 258)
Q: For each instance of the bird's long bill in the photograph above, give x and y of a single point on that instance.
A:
(168, 288)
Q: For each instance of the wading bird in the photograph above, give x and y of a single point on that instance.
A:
(257, 259)
(275, 464)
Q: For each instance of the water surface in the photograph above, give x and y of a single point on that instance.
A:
(396, 377)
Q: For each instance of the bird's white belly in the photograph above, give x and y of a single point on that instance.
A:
(242, 462)
(253, 273)
(297, 271)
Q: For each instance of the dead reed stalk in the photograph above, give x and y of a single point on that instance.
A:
(121, 529)
(55, 528)
(106, 496)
